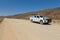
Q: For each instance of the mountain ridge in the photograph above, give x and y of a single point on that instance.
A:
(53, 13)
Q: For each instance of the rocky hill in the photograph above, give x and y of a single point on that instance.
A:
(53, 13)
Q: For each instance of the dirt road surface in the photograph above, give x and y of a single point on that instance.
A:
(18, 29)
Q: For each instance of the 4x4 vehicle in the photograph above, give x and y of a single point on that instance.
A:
(40, 19)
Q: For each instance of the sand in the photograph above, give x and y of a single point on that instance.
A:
(18, 29)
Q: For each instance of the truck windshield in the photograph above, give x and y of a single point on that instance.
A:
(41, 16)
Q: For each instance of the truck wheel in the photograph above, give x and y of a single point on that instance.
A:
(31, 20)
(46, 23)
(41, 22)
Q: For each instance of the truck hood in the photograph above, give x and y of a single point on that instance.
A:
(46, 18)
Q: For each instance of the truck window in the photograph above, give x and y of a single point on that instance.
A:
(41, 16)
(37, 16)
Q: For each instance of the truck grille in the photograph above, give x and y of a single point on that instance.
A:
(49, 20)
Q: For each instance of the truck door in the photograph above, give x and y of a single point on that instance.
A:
(37, 18)
(34, 19)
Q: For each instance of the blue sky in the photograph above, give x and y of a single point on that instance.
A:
(11, 7)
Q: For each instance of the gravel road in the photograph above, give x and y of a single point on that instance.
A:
(18, 29)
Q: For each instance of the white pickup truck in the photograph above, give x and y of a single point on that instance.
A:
(40, 19)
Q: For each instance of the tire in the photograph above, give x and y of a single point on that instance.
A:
(31, 20)
(41, 22)
(46, 23)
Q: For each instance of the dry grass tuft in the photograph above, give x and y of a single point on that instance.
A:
(56, 21)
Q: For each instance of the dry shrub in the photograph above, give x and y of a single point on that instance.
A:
(56, 21)
(1, 19)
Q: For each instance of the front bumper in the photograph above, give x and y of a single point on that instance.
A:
(48, 21)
